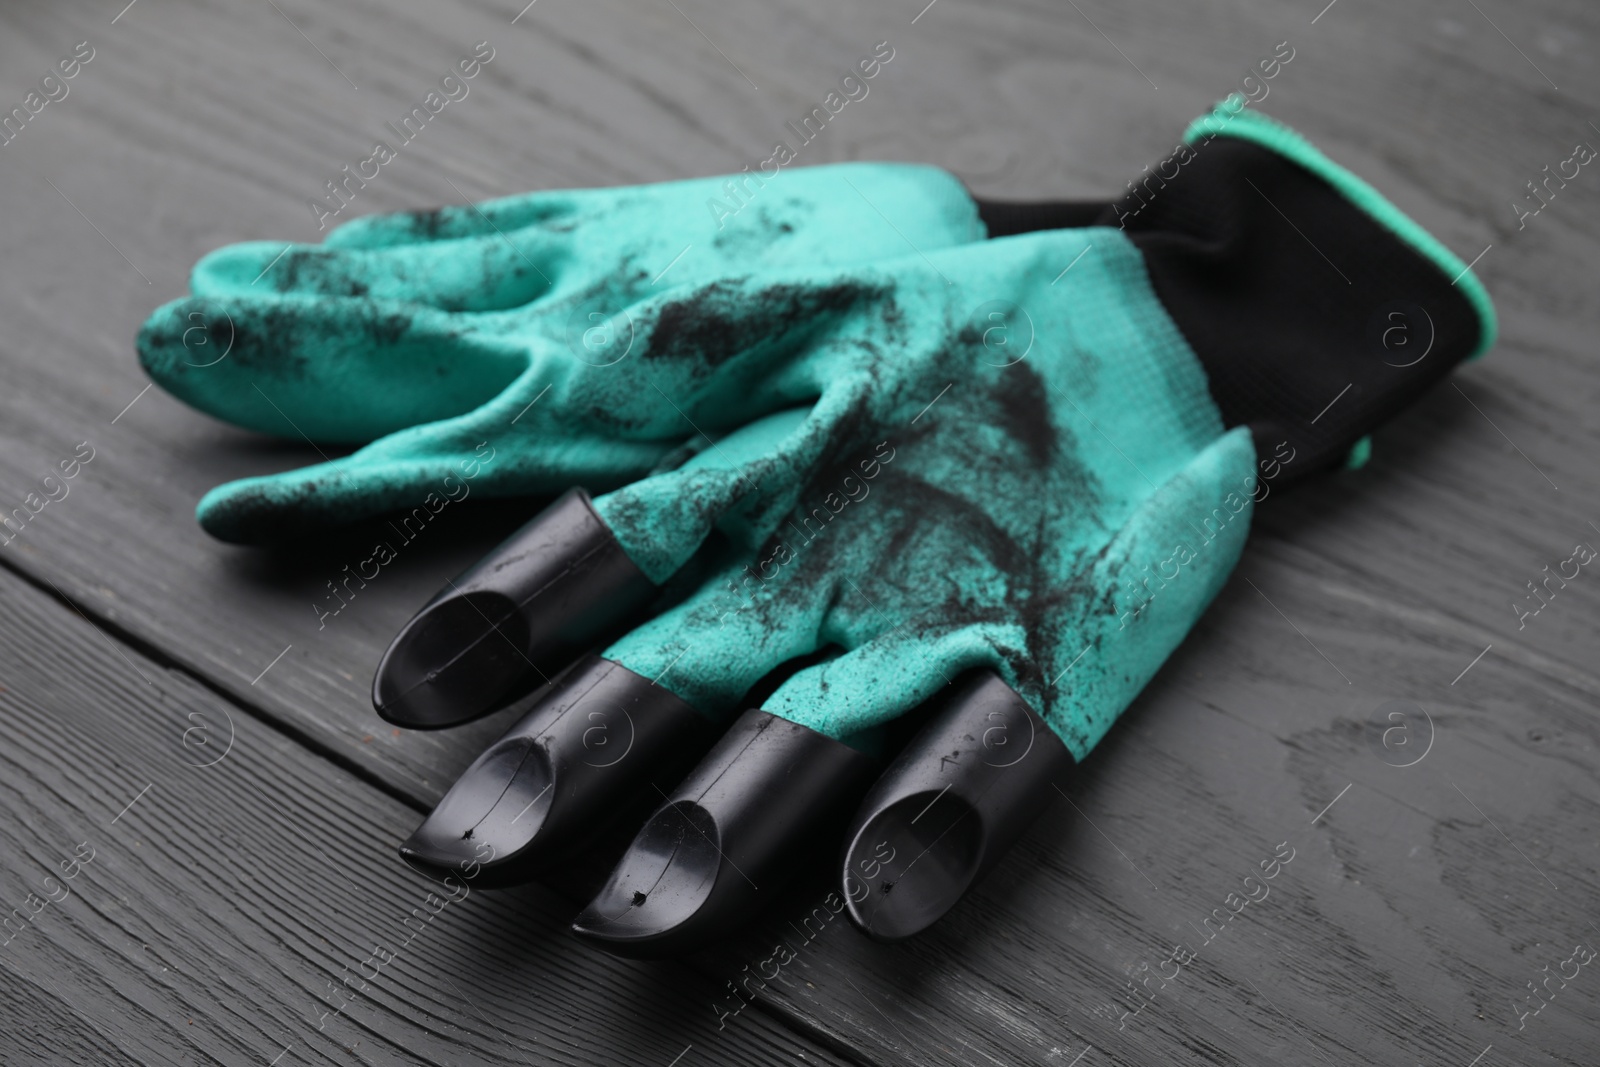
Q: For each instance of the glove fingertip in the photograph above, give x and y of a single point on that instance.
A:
(239, 268)
(164, 343)
(389, 230)
(223, 513)
(258, 511)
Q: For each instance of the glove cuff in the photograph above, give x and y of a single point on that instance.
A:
(1317, 308)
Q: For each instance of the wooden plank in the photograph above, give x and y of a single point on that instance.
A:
(185, 884)
(40, 1026)
(1406, 924)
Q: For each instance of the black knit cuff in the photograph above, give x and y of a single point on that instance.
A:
(1318, 310)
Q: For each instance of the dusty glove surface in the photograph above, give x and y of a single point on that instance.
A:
(1012, 470)
(915, 467)
(431, 334)
(1012, 454)
(1066, 433)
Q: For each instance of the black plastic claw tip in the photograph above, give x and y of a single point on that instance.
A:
(549, 592)
(597, 737)
(949, 806)
(721, 844)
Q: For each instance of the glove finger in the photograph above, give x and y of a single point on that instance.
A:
(455, 221)
(587, 746)
(895, 207)
(983, 766)
(556, 588)
(422, 470)
(343, 370)
(948, 808)
(612, 723)
(728, 841)
(475, 274)
(723, 843)
(566, 581)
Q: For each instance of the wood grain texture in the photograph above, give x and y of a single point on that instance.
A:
(1416, 909)
(241, 897)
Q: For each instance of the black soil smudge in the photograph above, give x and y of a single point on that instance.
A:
(428, 223)
(1025, 413)
(724, 319)
(387, 329)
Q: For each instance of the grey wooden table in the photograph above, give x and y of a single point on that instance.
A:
(183, 739)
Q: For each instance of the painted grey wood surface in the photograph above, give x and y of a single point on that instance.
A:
(1417, 908)
(185, 884)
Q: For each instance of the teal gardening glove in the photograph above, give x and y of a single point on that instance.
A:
(430, 334)
(1001, 479)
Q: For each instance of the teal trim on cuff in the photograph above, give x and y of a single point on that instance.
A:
(1360, 452)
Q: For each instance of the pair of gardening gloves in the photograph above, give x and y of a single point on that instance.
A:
(875, 504)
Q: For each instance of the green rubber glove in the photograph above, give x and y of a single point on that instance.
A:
(440, 332)
(1004, 454)
(1034, 458)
